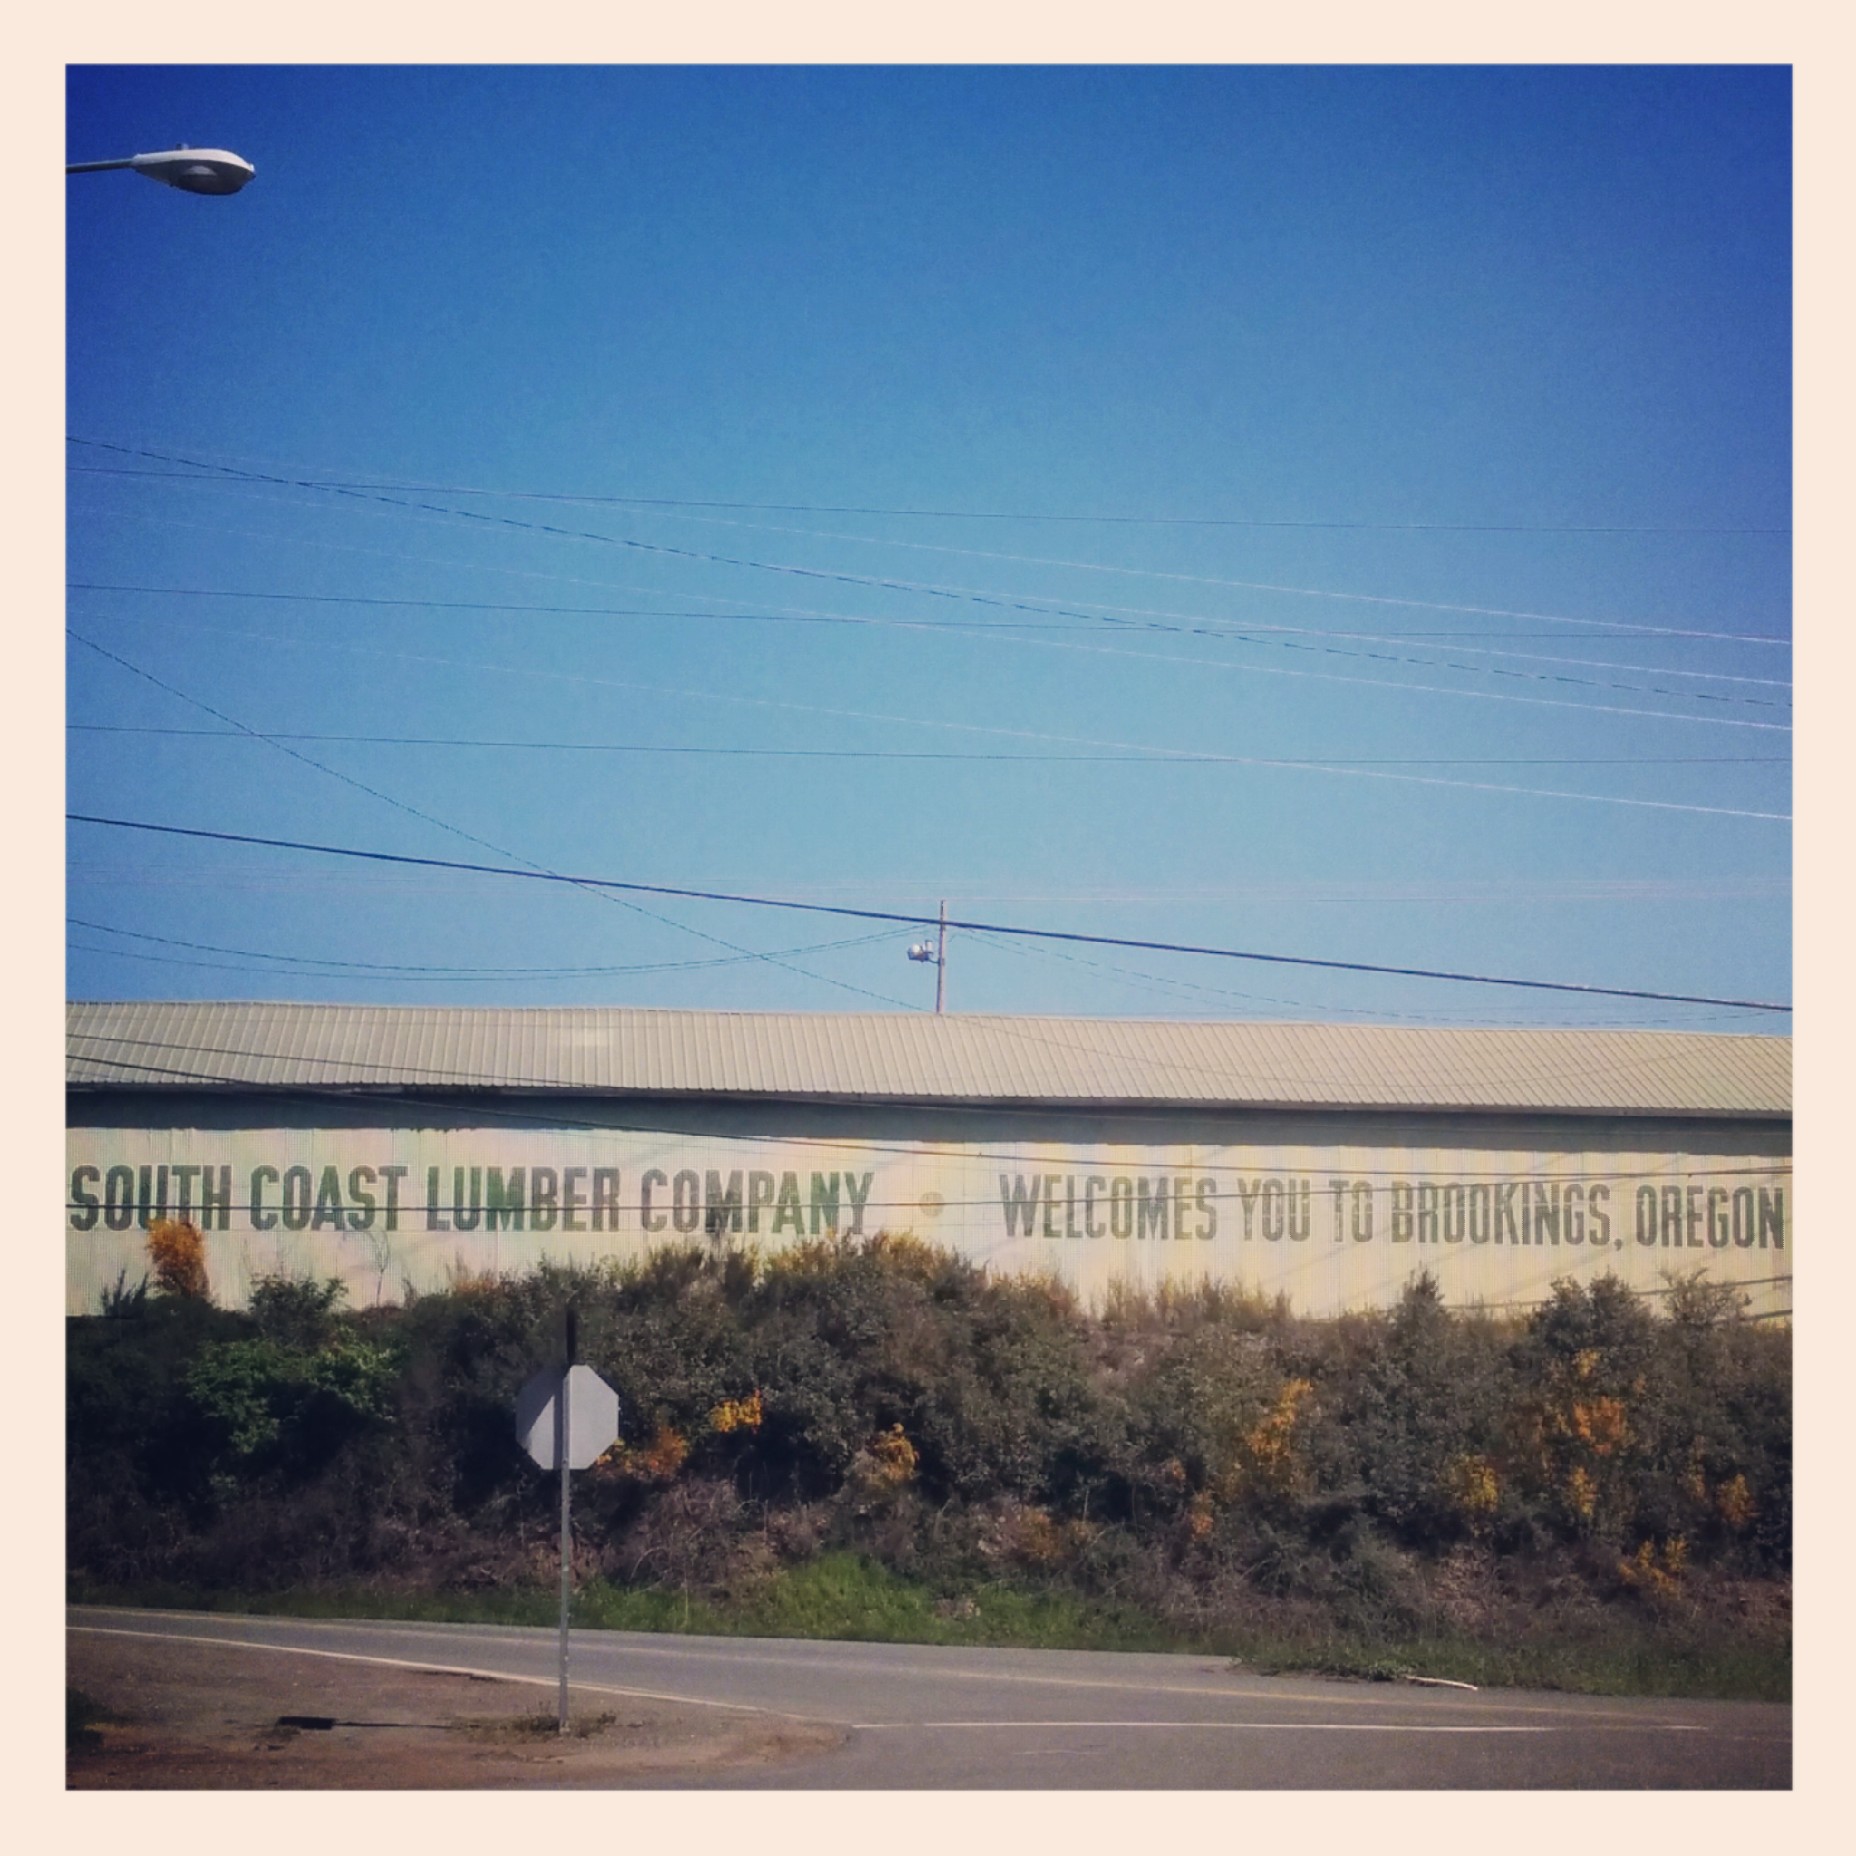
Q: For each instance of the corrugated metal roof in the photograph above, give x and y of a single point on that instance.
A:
(920, 1058)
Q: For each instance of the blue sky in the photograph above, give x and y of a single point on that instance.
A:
(1333, 513)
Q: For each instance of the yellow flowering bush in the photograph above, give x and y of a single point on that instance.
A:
(1581, 1492)
(1029, 1535)
(1733, 1502)
(1656, 1570)
(1265, 1457)
(177, 1252)
(657, 1461)
(1599, 1423)
(1473, 1489)
(737, 1414)
(1200, 1515)
(1270, 1445)
(886, 1463)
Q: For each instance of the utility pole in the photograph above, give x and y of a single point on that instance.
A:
(938, 955)
(940, 963)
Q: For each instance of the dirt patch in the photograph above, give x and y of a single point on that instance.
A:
(199, 1717)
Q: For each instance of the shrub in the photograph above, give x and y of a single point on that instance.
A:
(1218, 1420)
(177, 1251)
(1586, 1422)
(119, 1302)
(294, 1311)
(1420, 1421)
(1721, 1474)
(288, 1408)
(885, 1465)
(1007, 1403)
(1195, 1452)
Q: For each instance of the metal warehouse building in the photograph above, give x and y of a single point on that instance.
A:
(398, 1146)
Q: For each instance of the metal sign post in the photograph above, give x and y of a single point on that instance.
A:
(567, 1417)
(564, 1421)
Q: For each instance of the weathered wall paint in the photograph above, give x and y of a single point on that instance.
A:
(1330, 1224)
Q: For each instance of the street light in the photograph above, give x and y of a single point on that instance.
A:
(935, 953)
(192, 170)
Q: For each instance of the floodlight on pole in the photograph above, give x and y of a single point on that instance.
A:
(934, 953)
(192, 170)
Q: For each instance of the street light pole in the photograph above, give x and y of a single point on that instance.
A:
(940, 962)
(192, 170)
(937, 956)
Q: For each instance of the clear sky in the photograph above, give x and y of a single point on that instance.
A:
(1341, 514)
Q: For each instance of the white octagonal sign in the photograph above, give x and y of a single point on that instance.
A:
(592, 1416)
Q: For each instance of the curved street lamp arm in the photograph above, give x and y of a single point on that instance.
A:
(192, 170)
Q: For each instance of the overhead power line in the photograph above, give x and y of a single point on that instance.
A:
(798, 615)
(1108, 614)
(1147, 757)
(994, 515)
(1354, 770)
(918, 919)
(313, 966)
(1196, 990)
(1282, 637)
(456, 831)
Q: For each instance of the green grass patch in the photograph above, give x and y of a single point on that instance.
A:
(540, 1726)
(848, 1597)
(1628, 1659)
(844, 1595)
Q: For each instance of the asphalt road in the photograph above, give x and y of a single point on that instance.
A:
(924, 1718)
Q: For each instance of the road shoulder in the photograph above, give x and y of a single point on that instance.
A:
(193, 1716)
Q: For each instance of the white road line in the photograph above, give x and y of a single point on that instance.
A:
(1242, 1727)
(436, 1669)
(832, 1666)
(1338, 1698)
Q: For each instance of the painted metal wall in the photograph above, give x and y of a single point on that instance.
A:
(1334, 1212)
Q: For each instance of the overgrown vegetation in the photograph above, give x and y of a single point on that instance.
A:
(875, 1438)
